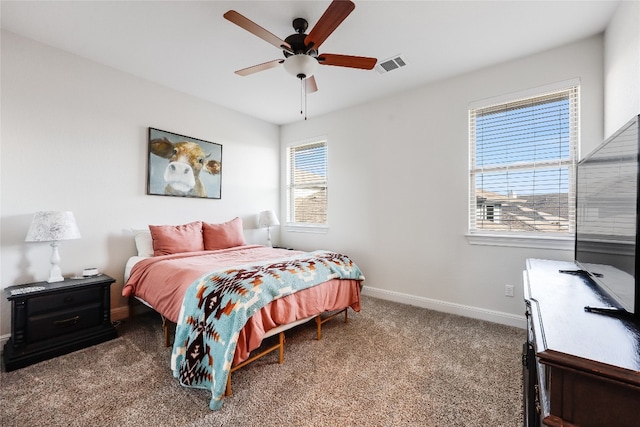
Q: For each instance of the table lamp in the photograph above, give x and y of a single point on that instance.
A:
(53, 226)
(268, 219)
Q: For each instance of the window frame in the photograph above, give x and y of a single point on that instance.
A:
(530, 239)
(289, 188)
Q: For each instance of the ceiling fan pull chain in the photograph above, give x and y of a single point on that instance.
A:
(305, 98)
(301, 97)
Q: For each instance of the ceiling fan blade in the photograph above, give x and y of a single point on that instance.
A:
(311, 85)
(337, 11)
(259, 67)
(361, 62)
(256, 29)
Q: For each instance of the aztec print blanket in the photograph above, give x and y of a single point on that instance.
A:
(217, 306)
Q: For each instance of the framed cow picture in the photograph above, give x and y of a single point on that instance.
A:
(183, 166)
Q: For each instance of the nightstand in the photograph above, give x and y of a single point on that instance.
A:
(52, 319)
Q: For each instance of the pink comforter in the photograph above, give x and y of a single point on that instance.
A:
(162, 282)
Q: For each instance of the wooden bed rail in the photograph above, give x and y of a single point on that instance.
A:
(281, 340)
(167, 325)
(320, 321)
(279, 346)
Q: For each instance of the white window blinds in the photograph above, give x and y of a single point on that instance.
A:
(307, 183)
(522, 164)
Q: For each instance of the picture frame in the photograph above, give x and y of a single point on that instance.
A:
(183, 166)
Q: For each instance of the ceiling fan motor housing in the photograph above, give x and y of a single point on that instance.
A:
(296, 41)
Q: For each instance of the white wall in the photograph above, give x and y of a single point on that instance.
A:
(622, 66)
(74, 137)
(398, 186)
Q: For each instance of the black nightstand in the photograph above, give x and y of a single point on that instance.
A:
(51, 319)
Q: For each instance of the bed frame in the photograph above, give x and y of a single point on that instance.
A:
(167, 325)
(280, 346)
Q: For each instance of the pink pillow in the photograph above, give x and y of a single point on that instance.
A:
(172, 239)
(222, 236)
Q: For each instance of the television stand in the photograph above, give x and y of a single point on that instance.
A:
(578, 369)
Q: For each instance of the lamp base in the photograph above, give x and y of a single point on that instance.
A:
(269, 244)
(55, 274)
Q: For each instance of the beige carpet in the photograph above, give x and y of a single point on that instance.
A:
(391, 365)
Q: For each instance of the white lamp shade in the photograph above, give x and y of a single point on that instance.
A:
(301, 66)
(267, 219)
(52, 226)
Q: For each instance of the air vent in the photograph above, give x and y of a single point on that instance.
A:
(391, 64)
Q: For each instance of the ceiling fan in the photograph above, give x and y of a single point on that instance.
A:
(301, 56)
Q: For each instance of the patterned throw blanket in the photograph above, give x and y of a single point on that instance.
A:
(217, 306)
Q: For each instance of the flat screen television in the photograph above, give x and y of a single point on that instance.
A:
(607, 227)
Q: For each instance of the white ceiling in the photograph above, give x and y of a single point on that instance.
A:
(190, 47)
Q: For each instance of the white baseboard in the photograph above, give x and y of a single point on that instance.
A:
(3, 340)
(448, 307)
(119, 313)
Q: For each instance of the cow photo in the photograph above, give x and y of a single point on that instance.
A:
(183, 166)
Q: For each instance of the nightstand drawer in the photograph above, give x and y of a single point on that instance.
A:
(51, 325)
(63, 300)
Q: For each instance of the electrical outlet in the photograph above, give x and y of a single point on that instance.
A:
(508, 290)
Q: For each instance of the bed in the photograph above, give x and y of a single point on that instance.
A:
(266, 292)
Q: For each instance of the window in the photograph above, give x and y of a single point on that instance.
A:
(307, 184)
(522, 165)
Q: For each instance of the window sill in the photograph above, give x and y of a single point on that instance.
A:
(307, 228)
(540, 241)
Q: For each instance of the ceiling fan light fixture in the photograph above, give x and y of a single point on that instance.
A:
(301, 65)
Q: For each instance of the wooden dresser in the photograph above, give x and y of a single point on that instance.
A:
(580, 368)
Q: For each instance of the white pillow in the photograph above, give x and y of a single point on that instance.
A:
(144, 243)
